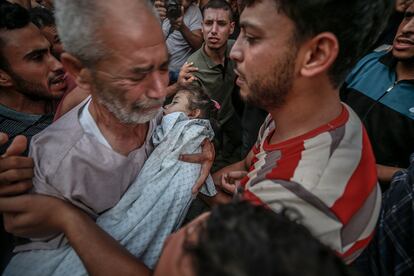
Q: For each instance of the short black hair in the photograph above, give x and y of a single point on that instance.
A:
(219, 5)
(356, 23)
(242, 239)
(42, 17)
(12, 16)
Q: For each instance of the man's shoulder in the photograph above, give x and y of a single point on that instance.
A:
(197, 57)
(371, 63)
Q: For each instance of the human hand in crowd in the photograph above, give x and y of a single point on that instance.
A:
(230, 181)
(178, 23)
(185, 76)
(160, 8)
(16, 171)
(33, 215)
(205, 158)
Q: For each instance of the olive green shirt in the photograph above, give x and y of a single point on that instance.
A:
(217, 80)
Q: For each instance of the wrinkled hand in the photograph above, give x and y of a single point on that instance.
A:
(16, 171)
(185, 76)
(231, 181)
(160, 7)
(32, 216)
(205, 158)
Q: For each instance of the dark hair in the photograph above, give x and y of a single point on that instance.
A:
(199, 99)
(42, 17)
(12, 16)
(219, 5)
(356, 23)
(242, 239)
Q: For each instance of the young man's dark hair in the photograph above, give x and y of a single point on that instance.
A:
(219, 5)
(242, 239)
(42, 17)
(12, 16)
(364, 25)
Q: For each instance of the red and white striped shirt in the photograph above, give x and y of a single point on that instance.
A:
(328, 175)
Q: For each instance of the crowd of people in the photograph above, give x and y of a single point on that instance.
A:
(213, 137)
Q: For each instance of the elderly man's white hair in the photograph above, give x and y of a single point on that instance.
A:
(78, 23)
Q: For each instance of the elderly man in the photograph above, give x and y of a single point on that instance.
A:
(107, 138)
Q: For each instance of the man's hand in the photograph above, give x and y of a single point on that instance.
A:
(160, 7)
(178, 23)
(32, 216)
(205, 158)
(185, 76)
(16, 171)
(231, 181)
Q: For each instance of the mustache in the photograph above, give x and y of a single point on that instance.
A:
(56, 77)
(146, 104)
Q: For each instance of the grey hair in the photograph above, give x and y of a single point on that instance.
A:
(78, 23)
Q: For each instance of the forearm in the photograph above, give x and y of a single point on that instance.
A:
(385, 173)
(194, 38)
(99, 252)
(242, 165)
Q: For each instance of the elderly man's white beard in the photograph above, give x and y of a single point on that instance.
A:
(137, 113)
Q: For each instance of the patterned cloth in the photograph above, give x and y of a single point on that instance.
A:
(328, 175)
(392, 250)
(150, 210)
(75, 144)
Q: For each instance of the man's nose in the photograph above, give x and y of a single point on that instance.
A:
(159, 82)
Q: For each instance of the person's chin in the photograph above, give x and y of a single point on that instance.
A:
(403, 55)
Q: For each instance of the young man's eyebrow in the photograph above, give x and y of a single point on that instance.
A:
(36, 52)
(249, 25)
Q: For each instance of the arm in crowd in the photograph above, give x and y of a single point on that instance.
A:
(193, 37)
(185, 77)
(385, 173)
(36, 215)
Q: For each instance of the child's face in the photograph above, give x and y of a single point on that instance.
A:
(178, 104)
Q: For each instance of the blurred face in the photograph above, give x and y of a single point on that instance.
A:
(52, 36)
(174, 261)
(131, 82)
(34, 70)
(403, 46)
(217, 28)
(265, 54)
(179, 103)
